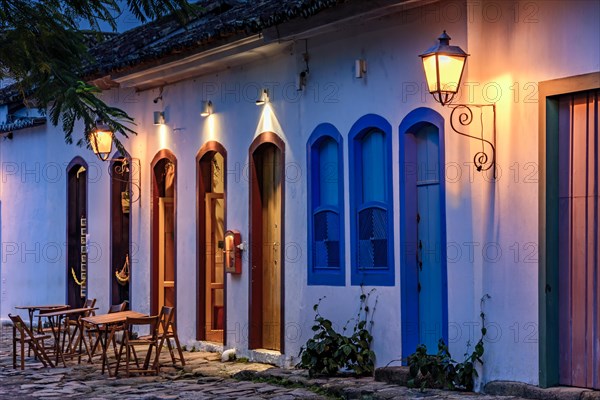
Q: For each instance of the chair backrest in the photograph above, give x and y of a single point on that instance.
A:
(20, 325)
(117, 307)
(89, 303)
(151, 321)
(166, 318)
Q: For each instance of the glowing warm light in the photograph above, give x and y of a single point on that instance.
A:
(268, 122)
(211, 127)
(163, 136)
(101, 140)
(444, 65)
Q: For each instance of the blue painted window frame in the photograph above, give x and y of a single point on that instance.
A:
(366, 124)
(408, 273)
(322, 276)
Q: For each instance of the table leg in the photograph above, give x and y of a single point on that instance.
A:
(30, 311)
(102, 338)
(56, 334)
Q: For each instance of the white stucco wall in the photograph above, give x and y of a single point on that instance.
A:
(482, 217)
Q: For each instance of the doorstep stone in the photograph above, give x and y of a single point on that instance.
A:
(508, 388)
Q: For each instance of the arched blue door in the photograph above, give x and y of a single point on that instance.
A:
(429, 241)
(423, 231)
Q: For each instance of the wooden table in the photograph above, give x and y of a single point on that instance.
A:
(32, 309)
(106, 324)
(56, 330)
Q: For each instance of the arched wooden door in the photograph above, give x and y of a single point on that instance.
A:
(120, 170)
(423, 225)
(211, 294)
(164, 238)
(76, 233)
(266, 233)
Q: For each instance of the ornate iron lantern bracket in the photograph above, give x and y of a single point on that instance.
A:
(462, 116)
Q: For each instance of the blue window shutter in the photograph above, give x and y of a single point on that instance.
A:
(373, 167)
(325, 208)
(373, 243)
(371, 203)
(328, 173)
(327, 240)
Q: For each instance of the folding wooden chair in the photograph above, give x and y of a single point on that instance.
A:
(131, 339)
(33, 341)
(168, 331)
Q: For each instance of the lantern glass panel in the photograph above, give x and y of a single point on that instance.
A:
(101, 142)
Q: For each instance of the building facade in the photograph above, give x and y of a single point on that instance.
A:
(349, 178)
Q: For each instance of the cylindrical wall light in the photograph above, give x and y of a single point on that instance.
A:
(159, 118)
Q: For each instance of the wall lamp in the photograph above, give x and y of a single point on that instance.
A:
(159, 118)
(264, 98)
(207, 108)
(444, 66)
(101, 139)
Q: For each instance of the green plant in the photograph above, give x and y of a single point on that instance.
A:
(328, 351)
(440, 370)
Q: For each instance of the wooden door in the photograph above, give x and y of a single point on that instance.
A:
(76, 235)
(120, 243)
(271, 238)
(579, 242)
(214, 269)
(266, 306)
(163, 277)
(166, 252)
(429, 238)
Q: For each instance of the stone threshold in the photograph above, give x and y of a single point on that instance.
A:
(352, 387)
(400, 376)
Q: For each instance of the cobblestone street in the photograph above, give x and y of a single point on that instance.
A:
(204, 377)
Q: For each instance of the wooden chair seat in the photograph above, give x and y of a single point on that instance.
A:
(131, 340)
(35, 342)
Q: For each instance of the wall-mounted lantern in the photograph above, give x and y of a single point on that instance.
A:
(444, 66)
(233, 252)
(101, 139)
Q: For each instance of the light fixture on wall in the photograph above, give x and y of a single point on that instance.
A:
(264, 98)
(360, 68)
(101, 139)
(444, 66)
(207, 108)
(159, 118)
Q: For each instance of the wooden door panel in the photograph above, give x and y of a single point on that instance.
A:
(214, 301)
(579, 297)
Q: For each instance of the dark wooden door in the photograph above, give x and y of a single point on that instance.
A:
(119, 204)
(579, 241)
(76, 235)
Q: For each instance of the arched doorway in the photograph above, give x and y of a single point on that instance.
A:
(120, 190)
(266, 233)
(77, 227)
(211, 204)
(164, 227)
(423, 226)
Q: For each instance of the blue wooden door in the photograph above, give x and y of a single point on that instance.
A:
(429, 238)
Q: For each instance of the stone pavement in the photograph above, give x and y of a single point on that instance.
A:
(204, 377)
